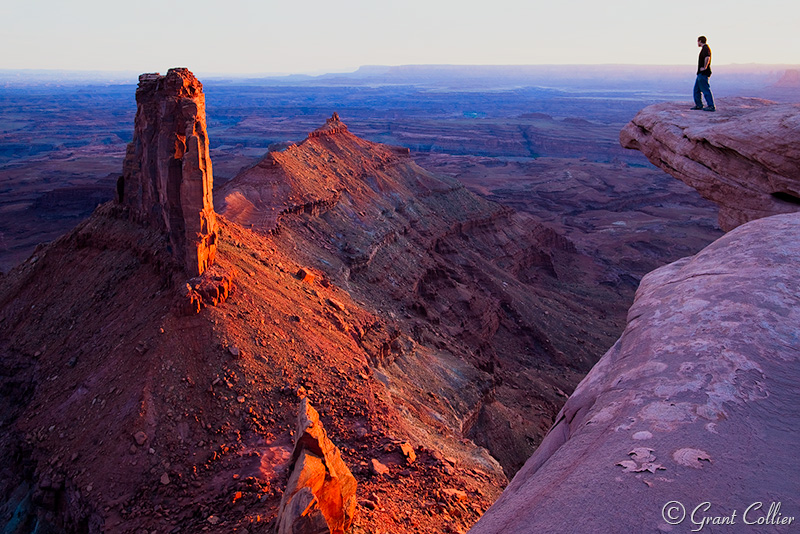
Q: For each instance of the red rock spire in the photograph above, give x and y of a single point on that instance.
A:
(332, 126)
(167, 177)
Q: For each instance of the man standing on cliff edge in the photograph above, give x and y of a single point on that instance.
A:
(701, 85)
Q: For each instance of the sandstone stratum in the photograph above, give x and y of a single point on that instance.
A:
(745, 157)
(696, 402)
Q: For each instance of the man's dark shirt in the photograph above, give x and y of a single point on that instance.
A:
(704, 53)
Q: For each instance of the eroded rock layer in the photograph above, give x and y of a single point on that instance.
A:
(745, 157)
(489, 310)
(695, 403)
(167, 177)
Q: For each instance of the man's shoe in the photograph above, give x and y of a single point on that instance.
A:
(697, 107)
(709, 108)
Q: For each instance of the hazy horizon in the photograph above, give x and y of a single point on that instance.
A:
(249, 37)
(79, 75)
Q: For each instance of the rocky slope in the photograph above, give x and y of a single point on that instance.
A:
(694, 404)
(435, 332)
(745, 157)
(121, 413)
(460, 280)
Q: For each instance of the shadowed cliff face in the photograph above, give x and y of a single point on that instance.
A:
(745, 157)
(696, 402)
(167, 178)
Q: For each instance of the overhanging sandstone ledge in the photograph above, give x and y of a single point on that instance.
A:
(745, 157)
(696, 402)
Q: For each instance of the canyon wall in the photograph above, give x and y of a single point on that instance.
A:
(695, 403)
(167, 178)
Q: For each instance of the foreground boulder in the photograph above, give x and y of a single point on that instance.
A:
(696, 403)
(167, 177)
(320, 497)
(745, 157)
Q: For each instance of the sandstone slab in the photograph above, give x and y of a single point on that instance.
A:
(696, 402)
(320, 496)
(745, 157)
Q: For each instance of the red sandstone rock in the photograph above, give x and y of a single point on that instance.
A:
(209, 289)
(696, 402)
(335, 304)
(456, 494)
(140, 438)
(332, 126)
(408, 452)
(377, 468)
(320, 496)
(305, 275)
(167, 177)
(745, 157)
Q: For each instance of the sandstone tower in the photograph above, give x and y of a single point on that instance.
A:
(166, 178)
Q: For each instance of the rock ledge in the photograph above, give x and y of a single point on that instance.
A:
(745, 157)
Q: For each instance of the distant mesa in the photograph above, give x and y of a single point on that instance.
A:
(744, 157)
(536, 116)
(167, 177)
(790, 79)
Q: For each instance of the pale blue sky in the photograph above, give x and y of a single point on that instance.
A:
(314, 36)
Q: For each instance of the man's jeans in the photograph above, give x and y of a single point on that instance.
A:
(701, 86)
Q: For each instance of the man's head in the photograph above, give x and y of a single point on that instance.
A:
(701, 40)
